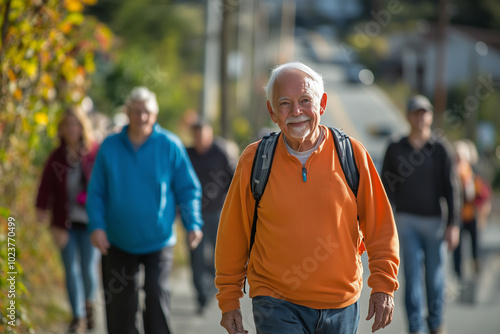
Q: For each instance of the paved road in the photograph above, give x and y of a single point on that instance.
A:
(472, 307)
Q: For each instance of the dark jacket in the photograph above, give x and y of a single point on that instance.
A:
(416, 180)
(215, 170)
(52, 193)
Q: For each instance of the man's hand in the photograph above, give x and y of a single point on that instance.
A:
(452, 237)
(382, 306)
(99, 239)
(194, 238)
(232, 322)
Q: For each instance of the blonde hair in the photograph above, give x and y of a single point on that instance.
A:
(87, 138)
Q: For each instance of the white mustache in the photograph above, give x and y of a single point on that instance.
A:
(298, 119)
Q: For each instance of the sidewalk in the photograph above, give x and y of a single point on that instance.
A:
(184, 318)
(473, 307)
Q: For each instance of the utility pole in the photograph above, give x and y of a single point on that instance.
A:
(224, 82)
(287, 30)
(211, 87)
(260, 63)
(245, 53)
(440, 93)
(471, 121)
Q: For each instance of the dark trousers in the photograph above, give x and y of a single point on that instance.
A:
(470, 227)
(202, 259)
(121, 284)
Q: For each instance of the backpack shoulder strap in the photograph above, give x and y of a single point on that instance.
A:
(262, 164)
(347, 159)
(261, 168)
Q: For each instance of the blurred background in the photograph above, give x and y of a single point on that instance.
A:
(212, 58)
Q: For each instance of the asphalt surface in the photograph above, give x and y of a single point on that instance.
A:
(365, 113)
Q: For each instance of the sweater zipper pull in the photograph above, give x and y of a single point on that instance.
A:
(304, 174)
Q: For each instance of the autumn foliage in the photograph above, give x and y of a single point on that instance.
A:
(47, 51)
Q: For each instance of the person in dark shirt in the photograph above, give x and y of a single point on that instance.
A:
(214, 161)
(418, 172)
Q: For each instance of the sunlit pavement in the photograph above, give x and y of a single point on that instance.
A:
(472, 306)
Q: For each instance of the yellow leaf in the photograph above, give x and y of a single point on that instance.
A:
(26, 124)
(89, 63)
(30, 67)
(18, 94)
(44, 57)
(12, 75)
(47, 81)
(66, 27)
(80, 70)
(73, 5)
(75, 18)
(25, 27)
(104, 36)
(53, 34)
(41, 118)
(68, 68)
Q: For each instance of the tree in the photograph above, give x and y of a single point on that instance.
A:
(46, 54)
(160, 46)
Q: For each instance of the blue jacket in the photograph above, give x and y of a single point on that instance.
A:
(134, 195)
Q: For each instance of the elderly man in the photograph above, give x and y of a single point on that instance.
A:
(305, 271)
(418, 172)
(141, 176)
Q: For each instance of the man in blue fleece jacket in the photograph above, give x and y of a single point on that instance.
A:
(141, 176)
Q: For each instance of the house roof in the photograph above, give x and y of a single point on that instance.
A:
(489, 36)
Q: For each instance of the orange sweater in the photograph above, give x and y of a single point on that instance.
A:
(307, 243)
(469, 191)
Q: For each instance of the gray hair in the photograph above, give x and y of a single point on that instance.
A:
(143, 94)
(318, 86)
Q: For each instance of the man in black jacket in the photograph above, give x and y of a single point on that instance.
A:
(418, 172)
(214, 160)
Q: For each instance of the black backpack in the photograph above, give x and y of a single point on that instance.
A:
(263, 161)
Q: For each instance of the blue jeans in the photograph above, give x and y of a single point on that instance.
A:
(80, 260)
(423, 246)
(276, 316)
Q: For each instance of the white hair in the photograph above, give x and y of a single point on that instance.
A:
(466, 150)
(318, 86)
(143, 94)
(462, 150)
